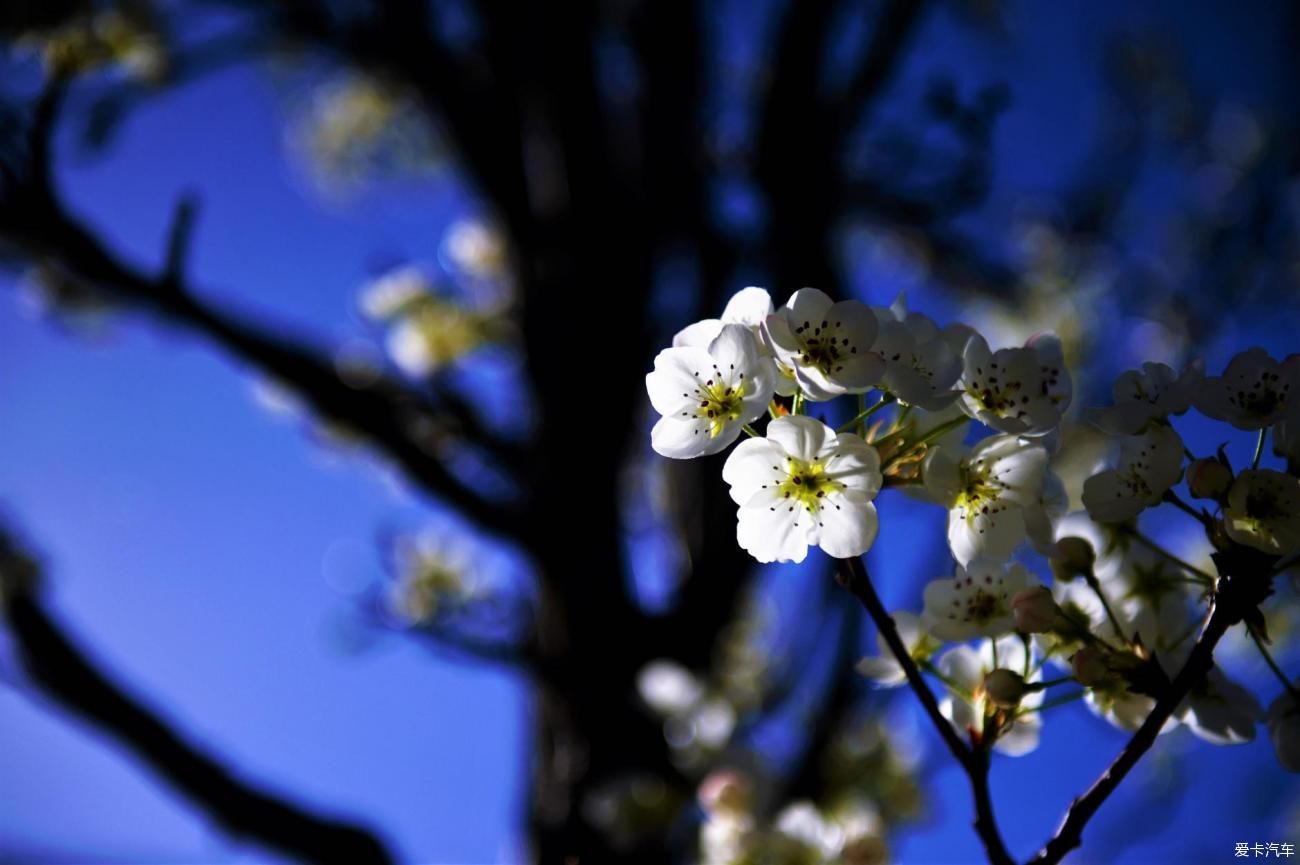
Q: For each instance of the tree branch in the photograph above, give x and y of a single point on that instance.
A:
(853, 576)
(1244, 585)
(387, 414)
(62, 672)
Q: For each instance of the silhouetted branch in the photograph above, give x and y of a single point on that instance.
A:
(1244, 584)
(62, 672)
(975, 761)
(889, 38)
(388, 415)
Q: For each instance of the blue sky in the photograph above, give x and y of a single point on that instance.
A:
(187, 530)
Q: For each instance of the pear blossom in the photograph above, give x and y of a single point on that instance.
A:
(1263, 511)
(434, 573)
(1148, 594)
(750, 306)
(1021, 391)
(921, 367)
(1149, 464)
(884, 669)
(803, 485)
(1151, 394)
(1219, 710)
(1124, 709)
(804, 835)
(668, 687)
(993, 495)
(967, 668)
(1253, 392)
(976, 601)
(828, 345)
(707, 395)
(394, 292)
(1283, 719)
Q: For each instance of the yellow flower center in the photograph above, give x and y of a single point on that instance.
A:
(719, 404)
(980, 490)
(806, 484)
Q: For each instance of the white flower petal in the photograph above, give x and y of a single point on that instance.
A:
(847, 528)
(688, 438)
(672, 384)
(800, 436)
(771, 531)
(755, 463)
(750, 306)
(698, 335)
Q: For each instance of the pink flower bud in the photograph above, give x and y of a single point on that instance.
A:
(724, 791)
(1035, 610)
(1072, 557)
(1208, 478)
(1005, 688)
(1090, 668)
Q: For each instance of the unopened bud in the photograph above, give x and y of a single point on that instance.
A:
(1035, 610)
(1074, 556)
(1207, 478)
(1090, 668)
(724, 790)
(1005, 688)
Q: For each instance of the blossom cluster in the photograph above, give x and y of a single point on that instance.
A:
(948, 419)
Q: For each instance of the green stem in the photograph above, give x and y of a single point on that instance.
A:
(948, 682)
(1172, 497)
(1272, 665)
(1154, 547)
(1042, 686)
(860, 420)
(772, 412)
(1057, 701)
(937, 432)
(750, 431)
(1259, 448)
(1093, 583)
(797, 405)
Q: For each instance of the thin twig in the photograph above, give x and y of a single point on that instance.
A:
(1236, 596)
(853, 576)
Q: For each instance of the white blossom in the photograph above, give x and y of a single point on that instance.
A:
(828, 345)
(1253, 392)
(1151, 394)
(1220, 711)
(976, 601)
(1021, 391)
(1263, 511)
(884, 669)
(707, 395)
(1149, 464)
(921, 366)
(966, 667)
(668, 687)
(750, 307)
(1283, 719)
(804, 485)
(993, 495)
(394, 291)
